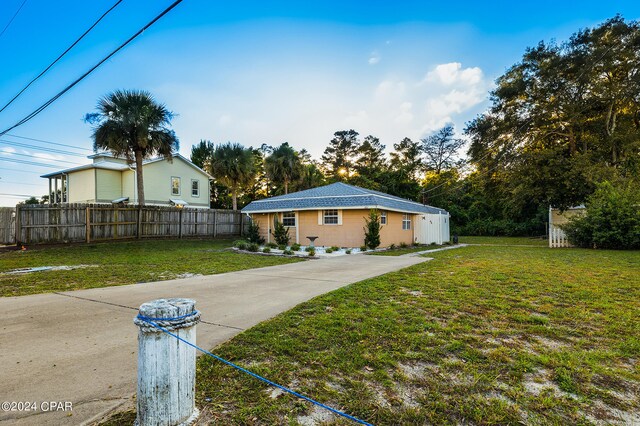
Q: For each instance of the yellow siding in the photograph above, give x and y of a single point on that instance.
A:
(558, 218)
(109, 185)
(157, 183)
(82, 187)
(129, 188)
(349, 234)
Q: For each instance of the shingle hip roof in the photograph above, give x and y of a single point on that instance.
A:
(338, 195)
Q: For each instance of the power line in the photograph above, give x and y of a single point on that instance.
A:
(39, 148)
(31, 163)
(48, 159)
(15, 170)
(46, 141)
(83, 76)
(16, 195)
(60, 57)
(20, 183)
(12, 18)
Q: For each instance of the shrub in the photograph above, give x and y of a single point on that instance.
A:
(392, 247)
(363, 248)
(348, 251)
(288, 252)
(335, 248)
(403, 245)
(308, 249)
(240, 244)
(372, 230)
(282, 247)
(312, 252)
(280, 232)
(611, 219)
(272, 245)
(253, 233)
(329, 250)
(253, 247)
(295, 247)
(266, 250)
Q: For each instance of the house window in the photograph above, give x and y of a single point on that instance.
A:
(406, 222)
(330, 217)
(175, 185)
(195, 188)
(289, 219)
(383, 218)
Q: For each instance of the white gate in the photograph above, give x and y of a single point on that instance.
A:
(432, 228)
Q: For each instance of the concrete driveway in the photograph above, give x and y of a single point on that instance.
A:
(81, 346)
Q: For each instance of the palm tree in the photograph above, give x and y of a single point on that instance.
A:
(283, 165)
(131, 124)
(233, 165)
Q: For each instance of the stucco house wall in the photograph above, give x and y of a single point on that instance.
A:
(348, 233)
(109, 185)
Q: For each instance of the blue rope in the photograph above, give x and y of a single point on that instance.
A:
(147, 319)
(237, 367)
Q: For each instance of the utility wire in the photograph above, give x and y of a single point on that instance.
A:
(12, 18)
(60, 57)
(19, 183)
(45, 141)
(38, 158)
(16, 195)
(83, 76)
(39, 148)
(30, 163)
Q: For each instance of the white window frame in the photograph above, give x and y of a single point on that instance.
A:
(289, 218)
(179, 185)
(406, 222)
(336, 216)
(197, 182)
(383, 218)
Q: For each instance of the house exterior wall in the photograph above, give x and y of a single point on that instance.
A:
(109, 185)
(81, 186)
(350, 233)
(157, 183)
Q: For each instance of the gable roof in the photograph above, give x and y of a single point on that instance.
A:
(112, 165)
(340, 196)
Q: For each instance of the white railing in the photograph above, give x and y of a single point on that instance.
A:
(557, 237)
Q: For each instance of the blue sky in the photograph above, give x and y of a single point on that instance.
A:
(269, 72)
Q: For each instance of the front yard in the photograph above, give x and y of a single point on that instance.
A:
(480, 335)
(110, 264)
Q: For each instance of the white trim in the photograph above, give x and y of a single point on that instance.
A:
(179, 185)
(383, 214)
(198, 182)
(341, 208)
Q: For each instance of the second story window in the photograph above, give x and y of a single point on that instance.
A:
(195, 188)
(175, 185)
(289, 219)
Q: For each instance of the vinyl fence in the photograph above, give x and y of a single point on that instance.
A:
(37, 224)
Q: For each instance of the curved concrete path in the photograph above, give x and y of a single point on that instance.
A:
(81, 346)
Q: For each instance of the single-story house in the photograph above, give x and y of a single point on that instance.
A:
(336, 214)
(110, 179)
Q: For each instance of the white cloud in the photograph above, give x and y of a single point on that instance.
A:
(374, 58)
(8, 150)
(399, 108)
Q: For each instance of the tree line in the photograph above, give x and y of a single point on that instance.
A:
(562, 121)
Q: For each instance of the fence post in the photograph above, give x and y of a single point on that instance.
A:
(180, 223)
(139, 223)
(88, 224)
(215, 223)
(166, 366)
(18, 224)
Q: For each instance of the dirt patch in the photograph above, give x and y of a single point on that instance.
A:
(317, 416)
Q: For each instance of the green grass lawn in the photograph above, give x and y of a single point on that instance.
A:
(399, 251)
(480, 335)
(110, 264)
(527, 241)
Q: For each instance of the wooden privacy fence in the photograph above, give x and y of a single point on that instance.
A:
(7, 225)
(105, 222)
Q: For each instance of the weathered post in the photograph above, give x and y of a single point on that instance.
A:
(166, 366)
